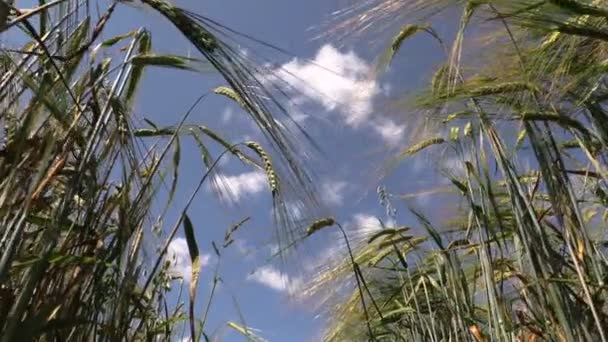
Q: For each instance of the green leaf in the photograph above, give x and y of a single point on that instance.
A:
(144, 47)
(146, 133)
(192, 248)
(245, 331)
(176, 161)
(167, 61)
(196, 267)
(112, 41)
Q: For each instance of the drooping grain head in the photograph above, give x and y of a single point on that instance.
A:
(320, 224)
(231, 94)
(268, 168)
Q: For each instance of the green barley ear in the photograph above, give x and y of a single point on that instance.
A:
(406, 32)
(421, 146)
(320, 224)
(268, 168)
(231, 94)
(506, 87)
(439, 80)
(198, 35)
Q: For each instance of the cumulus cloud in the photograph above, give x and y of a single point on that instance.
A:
(341, 82)
(179, 259)
(364, 224)
(336, 80)
(274, 279)
(333, 192)
(249, 183)
(389, 131)
(245, 249)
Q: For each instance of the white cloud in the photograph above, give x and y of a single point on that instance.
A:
(227, 115)
(274, 279)
(333, 192)
(341, 82)
(245, 249)
(247, 137)
(338, 81)
(298, 116)
(364, 224)
(274, 248)
(249, 183)
(295, 210)
(390, 132)
(179, 259)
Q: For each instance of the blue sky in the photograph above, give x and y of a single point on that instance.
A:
(348, 111)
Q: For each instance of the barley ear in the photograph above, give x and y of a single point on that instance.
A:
(268, 168)
(231, 94)
(421, 146)
(320, 224)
